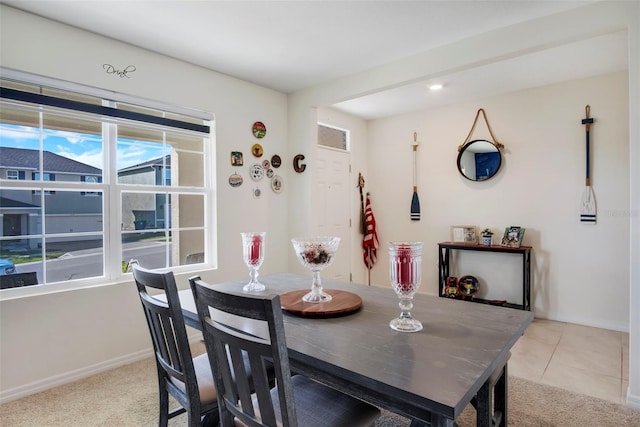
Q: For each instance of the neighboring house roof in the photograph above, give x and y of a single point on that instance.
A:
(10, 203)
(27, 159)
(153, 163)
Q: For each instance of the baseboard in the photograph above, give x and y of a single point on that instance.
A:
(67, 377)
(78, 374)
(633, 401)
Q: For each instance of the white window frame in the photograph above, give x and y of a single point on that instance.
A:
(112, 190)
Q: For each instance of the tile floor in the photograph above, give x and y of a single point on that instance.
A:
(579, 358)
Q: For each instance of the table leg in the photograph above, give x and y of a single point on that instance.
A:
(500, 393)
(484, 406)
(440, 421)
(491, 408)
(526, 280)
(443, 269)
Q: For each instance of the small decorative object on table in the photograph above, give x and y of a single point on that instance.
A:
(468, 286)
(253, 254)
(316, 253)
(513, 236)
(464, 234)
(405, 274)
(451, 288)
(487, 236)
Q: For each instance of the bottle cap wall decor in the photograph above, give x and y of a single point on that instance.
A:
(259, 130)
(257, 150)
(236, 158)
(276, 184)
(256, 172)
(235, 180)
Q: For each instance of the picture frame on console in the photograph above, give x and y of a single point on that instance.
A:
(464, 234)
(513, 236)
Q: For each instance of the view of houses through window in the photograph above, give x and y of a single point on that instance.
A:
(82, 194)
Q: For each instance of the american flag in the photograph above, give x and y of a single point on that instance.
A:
(370, 240)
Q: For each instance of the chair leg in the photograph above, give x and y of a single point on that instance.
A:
(164, 405)
(226, 419)
(212, 419)
(195, 420)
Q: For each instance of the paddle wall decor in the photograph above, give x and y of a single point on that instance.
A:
(588, 212)
(415, 201)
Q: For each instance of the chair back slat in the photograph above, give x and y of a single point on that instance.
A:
(234, 325)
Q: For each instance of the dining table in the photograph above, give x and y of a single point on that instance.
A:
(459, 357)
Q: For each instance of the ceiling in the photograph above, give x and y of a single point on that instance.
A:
(291, 45)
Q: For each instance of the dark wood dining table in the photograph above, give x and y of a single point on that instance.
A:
(429, 376)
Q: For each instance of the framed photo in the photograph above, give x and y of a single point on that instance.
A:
(513, 236)
(464, 234)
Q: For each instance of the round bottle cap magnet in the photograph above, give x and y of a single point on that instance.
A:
(276, 184)
(235, 180)
(259, 130)
(257, 150)
(256, 172)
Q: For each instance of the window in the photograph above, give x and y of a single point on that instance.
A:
(91, 179)
(36, 176)
(112, 179)
(15, 175)
(333, 137)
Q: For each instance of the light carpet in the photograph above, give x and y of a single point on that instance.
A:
(127, 396)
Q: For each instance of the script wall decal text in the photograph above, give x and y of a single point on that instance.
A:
(110, 69)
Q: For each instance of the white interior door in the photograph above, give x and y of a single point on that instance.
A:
(332, 201)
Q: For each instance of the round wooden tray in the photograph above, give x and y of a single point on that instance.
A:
(341, 304)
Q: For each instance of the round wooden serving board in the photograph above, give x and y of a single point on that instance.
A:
(342, 303)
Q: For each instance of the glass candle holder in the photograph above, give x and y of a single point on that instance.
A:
(253, 254)
(405, 274)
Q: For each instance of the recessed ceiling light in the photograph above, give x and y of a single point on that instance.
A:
(435, 87)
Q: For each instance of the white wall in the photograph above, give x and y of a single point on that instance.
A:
(578, 24)
(577, 271)
(52, 338)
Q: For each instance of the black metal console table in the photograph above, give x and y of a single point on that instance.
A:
(444, 251)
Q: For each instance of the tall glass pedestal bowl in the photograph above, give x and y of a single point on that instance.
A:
(316, 254)
(405, 274)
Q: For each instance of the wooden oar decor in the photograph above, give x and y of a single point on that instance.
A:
(415, 202)
(588, 207)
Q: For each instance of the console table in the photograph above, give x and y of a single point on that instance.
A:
(444, 251)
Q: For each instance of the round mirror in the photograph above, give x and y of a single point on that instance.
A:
(479, 160)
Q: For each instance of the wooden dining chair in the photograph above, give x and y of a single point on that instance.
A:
(237, 324)
(187, 379)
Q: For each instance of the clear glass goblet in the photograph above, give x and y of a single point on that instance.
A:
(253, 254)
(316, 253)
(405, 274)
